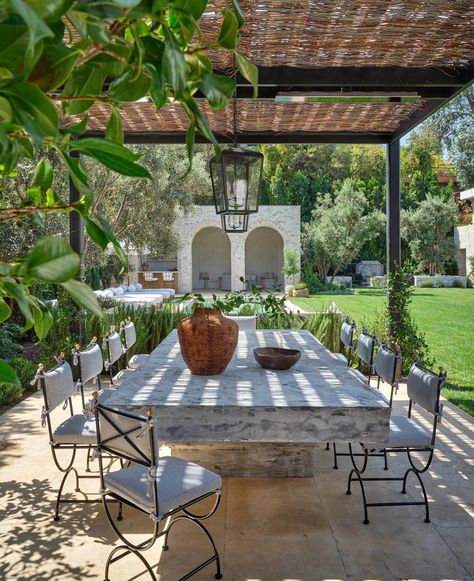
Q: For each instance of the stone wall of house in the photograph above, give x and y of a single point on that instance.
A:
(464, 242)
(285, 220)
(444, 280)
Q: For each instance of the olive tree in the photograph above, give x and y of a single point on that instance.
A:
(339, 229)
(429, 233)
(57, 59)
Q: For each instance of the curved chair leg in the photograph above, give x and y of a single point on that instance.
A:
(88, 460)
(126, 550)
(358, 476)
(425, 497)
(334, 452)
(214, 557)
(327, 446)
(385, 459)
(63, 481)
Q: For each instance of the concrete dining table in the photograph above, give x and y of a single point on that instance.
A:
(251, 421)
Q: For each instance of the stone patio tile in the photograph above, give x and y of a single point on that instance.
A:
(461, 541)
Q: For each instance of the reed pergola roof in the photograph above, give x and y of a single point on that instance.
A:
(422, 47)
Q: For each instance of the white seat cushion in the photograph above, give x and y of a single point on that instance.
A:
(341, 357)
(76, 430)
(405, 433)
(179, 482)
(137, 360)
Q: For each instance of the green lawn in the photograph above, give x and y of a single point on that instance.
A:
(445, 316)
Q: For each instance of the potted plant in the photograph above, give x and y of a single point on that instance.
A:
(300, 290)
(290, 266)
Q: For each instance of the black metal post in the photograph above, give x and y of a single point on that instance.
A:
(76, 226)
(393, 213)
(76, 240)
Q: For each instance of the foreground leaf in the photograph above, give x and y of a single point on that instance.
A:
(83, 296)
(52, 260)
(8, 374)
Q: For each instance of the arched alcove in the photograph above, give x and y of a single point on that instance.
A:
(211, 255)
(264, 257)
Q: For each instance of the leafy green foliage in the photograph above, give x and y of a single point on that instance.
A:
(401, 331)
(62, 52)
(339, 229)
(429, 233)
(290, 265)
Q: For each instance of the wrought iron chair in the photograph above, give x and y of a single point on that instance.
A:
(75, 433)
(385, 367)
(112, 344)
(160, 487)
(89, 364)
(406, 436)
(130, 338)
(346, 341)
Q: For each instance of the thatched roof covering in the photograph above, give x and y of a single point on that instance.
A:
(420, 46)
(335, 33)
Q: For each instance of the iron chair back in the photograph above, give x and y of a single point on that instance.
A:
(346, 338)
(387, 362)
(424, 388)
(89, 363)
(365, 350)
(113, 345)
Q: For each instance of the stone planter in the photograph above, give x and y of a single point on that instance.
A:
(304, 292)
(208, 341)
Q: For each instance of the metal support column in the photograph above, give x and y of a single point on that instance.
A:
(393, 210)
(76, 226)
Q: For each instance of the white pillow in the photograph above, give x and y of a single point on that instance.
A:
(119, 291)
(108, 293)
(124, 287)
(100, 294)
(111, 290)
(138, 286)
(132, 288)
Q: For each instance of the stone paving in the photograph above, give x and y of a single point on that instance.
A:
(304, 529)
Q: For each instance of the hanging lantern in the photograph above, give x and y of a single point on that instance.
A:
(235, 222)
(236, 177)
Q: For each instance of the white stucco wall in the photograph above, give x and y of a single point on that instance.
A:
(464, 240)
(284, 219)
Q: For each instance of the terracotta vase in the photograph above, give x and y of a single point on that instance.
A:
(208, 341)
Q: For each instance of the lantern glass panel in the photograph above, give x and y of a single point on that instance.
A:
(236, 178)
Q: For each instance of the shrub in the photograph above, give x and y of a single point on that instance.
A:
(401, 332)
(312, 280)
(441, 285)
(427, 284)
(300, 286)
(10, 335)
(457, 283)
(25, 370)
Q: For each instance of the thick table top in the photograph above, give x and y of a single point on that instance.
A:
(319, 398)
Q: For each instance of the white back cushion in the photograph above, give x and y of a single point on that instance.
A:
(138, 286)
(59, 385)
(132, 288)
(91, 363)
(115, 347)
(130, 334)
(119, 291)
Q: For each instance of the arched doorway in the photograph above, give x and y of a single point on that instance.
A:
(211, 259)
(264, 257)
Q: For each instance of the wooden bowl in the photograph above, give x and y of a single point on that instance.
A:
(276, 357)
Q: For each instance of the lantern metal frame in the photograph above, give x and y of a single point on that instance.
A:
(231, 227)
(226, 202)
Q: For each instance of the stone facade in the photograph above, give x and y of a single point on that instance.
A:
(444, 280)
(283, 219)
(464, 239)
(369, 268)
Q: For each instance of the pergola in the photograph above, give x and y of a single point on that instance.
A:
(330, 71)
